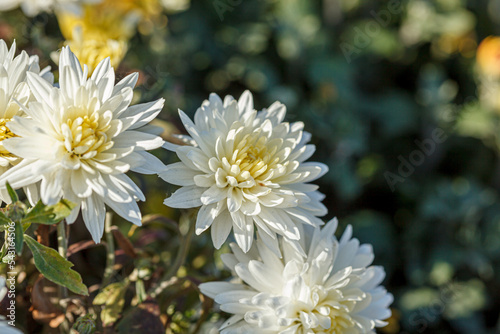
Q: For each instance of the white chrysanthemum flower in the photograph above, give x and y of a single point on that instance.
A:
(333, 290)
(14, 89)
(245, 167)
(35, 7)
(81, 140)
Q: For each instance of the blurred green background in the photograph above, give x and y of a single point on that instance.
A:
(373, 81)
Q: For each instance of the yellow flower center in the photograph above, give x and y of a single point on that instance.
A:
(250, 162)
(332, 314)
(85, 136)
(253, 155)
(4, 134)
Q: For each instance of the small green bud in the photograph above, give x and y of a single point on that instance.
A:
(16, 211)
(84, 325)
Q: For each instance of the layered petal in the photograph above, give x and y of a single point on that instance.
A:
(81, 139)
(296, 295)
(251, 164)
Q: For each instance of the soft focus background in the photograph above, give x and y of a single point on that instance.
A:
(403, 101)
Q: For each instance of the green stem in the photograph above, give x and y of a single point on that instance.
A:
(166, 281)
(110, 250)
(62, 247)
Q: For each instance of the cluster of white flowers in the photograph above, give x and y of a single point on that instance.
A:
(244, 169)
(77, 140)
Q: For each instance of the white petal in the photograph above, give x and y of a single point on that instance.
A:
(205, 217)
(212, 289)
(40, 88)
(93, 213)
(185, 197)
(138, 139)
(129, 81)
(244, 234)
(144, 163)
(141, 114)
(221, 228)
(213, 194)
(79, 183)
(129, 211)
(245, 102)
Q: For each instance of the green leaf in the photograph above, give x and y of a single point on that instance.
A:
(49, 215)
(3, 219)
(55, 268)
(113, 299)
(140, 290)
(12, 193)
(19, 238)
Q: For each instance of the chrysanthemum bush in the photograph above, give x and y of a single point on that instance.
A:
(243, 173)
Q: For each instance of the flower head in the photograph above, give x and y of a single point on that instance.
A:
(81, 139)
(97, 32)
(331, 290)
(101, 21)
(246, 168)
(92, 51)
(14, 90)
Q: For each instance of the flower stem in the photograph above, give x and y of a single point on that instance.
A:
(110, 250)
(165, 281)
(62, 247)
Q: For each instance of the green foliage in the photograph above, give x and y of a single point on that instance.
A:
(19, 238)
(4, 220)
(12, 193)
(112, 298)
(48, 214)
(55, 268)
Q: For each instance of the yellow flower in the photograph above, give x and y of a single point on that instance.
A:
(93, 51)
(488, 56)
(98, 22)
(101, 30)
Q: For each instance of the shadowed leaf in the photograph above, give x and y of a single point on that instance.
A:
(55, 268)
(19, 238)
(49, 215)
(12, 193)
(123, 242)
(113, 299)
